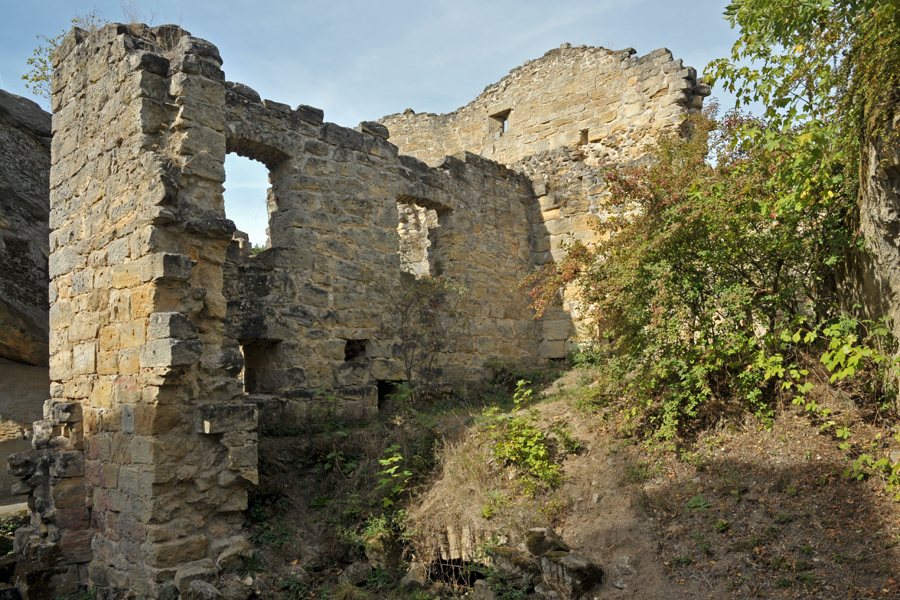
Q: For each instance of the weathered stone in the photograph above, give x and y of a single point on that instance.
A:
(416, 577)
(228, 417)
(356, 574)
(372, 128)
(170, 353)
(171, 325)
(200, 590)
(384, 551)
(24, 215)
(518, 569)
(569, 574)
(199, 570)
(484, 590)
(541, 540)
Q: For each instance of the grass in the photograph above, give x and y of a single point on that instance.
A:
(638, 473)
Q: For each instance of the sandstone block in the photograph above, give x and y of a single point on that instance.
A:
(569, 574)
(68, 493)
(540, 540)
(176, 552)
(171, 325)
(160, 266)
(201, 590)
(519, 569)
(170, 353)
(67, 464)
(199, 570)
(228, 417)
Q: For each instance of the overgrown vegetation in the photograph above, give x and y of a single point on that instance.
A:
(695, 303)
(37, 79)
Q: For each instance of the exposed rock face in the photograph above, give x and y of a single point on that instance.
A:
(872, 277)
(24, 233)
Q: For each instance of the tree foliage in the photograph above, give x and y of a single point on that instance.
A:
(740, 226)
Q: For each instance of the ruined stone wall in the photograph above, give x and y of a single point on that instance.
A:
(24, 211)
(570, 96)
(166, 336)
(562, 120)
(311, 311)
(571, 196)
(143, 459)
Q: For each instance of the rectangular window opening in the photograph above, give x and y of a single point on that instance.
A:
(499, 122)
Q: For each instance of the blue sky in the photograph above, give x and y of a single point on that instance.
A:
(362, 60)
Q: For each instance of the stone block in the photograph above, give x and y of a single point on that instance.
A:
(68, 493)
(569, 574)
(242, 457)
(376, 129)
(170, 353)
(84, 359)
(67, 464)
(66, 412)
(557, 330)
(171, 325)
(198, 570)
(25, 464)
(221, 418)
(201, 590)
(540, 540)
(165, 266)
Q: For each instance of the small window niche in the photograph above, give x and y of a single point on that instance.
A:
(498, 123)
(355, 350)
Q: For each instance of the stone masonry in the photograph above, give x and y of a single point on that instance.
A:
(170, 344)
(562, 120)
(610, 99)
(24, 211)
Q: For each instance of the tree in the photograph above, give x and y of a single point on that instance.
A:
(725, 254)
(424, 315)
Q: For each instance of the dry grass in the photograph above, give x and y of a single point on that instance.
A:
(476, 501)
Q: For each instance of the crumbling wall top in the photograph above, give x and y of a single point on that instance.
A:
(569, 96)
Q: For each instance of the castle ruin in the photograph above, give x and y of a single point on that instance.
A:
(170, 344)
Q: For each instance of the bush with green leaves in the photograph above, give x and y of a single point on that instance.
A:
(686, 292)
(517, 439)
(741, 223)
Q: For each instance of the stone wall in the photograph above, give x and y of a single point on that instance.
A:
(310, 311)
(570, 96)
(165, 335)
(24, 211)
(571, 196)
(563, 120)
(146, 449)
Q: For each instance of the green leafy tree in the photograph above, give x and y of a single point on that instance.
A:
(686, 291)
(829, 74)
